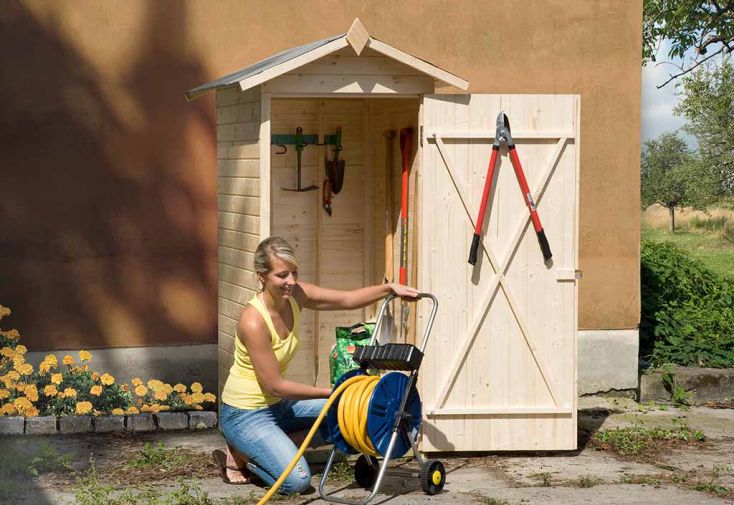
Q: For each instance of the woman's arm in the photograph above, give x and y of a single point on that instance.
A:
(256, 337)
(318, 298)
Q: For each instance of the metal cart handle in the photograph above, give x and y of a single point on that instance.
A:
(429, 325)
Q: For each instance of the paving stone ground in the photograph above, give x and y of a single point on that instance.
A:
(497, 478)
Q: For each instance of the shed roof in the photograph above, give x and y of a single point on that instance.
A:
(290, 59)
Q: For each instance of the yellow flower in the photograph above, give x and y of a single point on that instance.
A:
(197, 397)
(160, 395)
(7, 352)
(136, 382)
(187, 400)
(31, 392)
(84, 355)
(68, 360)
(146, 408)
(155, 384)
(20, 387)
(180, 388)
(4, 393)
(155, 408)
(107, 379)
(197, 407)
(51, 360)
(25, 369)
(132, 410)
(31, 412)
(165, 408)
(56, 378)
(210, 397)
(44, 367)
(70, 392)
(50, 390)
(7, 409)
(13, 375)
(12, 334)
(197, 387)
(21, 349)
(168, 389)
(95, 376)
(22, 404)
(141, 390)
(118, 412)
(83, 407)
(96, 390)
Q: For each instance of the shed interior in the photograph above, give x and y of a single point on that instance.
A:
(348, 249)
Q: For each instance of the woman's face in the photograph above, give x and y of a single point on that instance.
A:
(281, 278)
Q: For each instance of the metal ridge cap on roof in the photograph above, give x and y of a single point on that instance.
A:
(258, 67)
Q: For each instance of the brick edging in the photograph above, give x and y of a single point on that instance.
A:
(135, 423)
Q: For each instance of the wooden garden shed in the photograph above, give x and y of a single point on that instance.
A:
(500, 368)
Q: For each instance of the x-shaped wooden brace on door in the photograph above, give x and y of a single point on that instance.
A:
(500, 269)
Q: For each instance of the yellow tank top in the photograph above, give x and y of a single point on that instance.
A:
(242, 389)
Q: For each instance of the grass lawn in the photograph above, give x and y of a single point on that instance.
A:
(708, 247)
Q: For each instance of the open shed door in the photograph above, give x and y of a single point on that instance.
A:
(500, 366)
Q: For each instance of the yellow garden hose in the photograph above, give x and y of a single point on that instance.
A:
(352, 412)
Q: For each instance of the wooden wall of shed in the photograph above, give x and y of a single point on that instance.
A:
(332, 250)
(238, 211)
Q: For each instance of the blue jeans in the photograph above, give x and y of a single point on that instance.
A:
(260, 434)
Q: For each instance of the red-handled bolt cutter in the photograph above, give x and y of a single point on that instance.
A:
(503, 136)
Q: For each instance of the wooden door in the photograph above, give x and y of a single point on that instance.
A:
(500, 366)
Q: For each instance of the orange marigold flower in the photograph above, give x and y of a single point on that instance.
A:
(7, 409)
(107, 379)
(13, 375)
(141, 390)
(21, 349)
(50, 390)
(210, 397)
(146, 408)
(4, 393)
(68, 360)
(196, 387)
(95, 376)
(160, 395)
(44, 367)
(7, 352)
(84, 355)
(155, 384)
(25, 369)
(118, 412)
(187, 400)
(83, 407)
(96, 390)
(197, 397)
(180, 388)
(56, 378)
(132, 410)
(165, 408)
(20, 387)
(12, 334)
(31, 392)
(70, 392)
(137, 382)
(51, 360)
(31, 412)
(22, 404)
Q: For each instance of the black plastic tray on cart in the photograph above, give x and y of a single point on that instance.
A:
(405, 357)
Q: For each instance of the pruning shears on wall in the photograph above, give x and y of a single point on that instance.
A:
(503, 136)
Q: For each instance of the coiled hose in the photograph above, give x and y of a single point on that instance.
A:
(352, 416)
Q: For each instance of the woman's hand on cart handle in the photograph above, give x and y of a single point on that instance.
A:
(403, 291)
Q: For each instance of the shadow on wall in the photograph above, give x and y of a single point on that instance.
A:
(107, 185)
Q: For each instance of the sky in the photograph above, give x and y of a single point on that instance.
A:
(657, 104)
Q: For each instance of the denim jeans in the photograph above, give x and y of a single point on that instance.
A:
(260, 434)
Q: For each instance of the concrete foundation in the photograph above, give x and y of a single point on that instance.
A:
(171, 364)
(607, 360)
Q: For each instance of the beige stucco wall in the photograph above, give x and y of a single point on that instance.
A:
(107, 199)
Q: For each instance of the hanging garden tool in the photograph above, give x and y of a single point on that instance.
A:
(334, 174)
(300, 144)
(503, 136)
(406, 148)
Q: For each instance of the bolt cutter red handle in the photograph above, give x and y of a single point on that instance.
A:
(503, 136)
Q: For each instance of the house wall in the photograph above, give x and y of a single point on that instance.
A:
(108, 198)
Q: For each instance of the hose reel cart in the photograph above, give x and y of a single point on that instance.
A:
(381, 416)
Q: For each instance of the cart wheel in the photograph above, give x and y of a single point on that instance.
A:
(365, 471)
(433, 477)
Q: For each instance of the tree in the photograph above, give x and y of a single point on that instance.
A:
(707, 102)
(701, 25)
(672, 176)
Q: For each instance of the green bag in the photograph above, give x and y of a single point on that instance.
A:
(347, 339)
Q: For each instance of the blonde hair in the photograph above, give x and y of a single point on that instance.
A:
(277, 247)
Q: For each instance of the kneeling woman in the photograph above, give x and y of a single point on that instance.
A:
(264, 415)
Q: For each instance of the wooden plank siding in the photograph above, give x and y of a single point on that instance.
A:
(238, 211)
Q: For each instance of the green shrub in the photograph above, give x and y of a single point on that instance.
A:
(687, 310)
